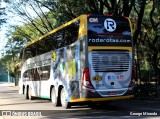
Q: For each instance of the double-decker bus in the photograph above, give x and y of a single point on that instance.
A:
(88, 59)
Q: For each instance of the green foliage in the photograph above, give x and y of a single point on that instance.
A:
(9, 62)
(64, 11)
(150, 40)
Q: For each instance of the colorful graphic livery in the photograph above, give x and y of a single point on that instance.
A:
(89, 59)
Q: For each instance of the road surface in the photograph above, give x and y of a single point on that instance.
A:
(11, 103)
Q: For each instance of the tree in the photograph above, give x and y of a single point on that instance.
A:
(33, 15)
(151, 36)
(2, 12)
(49, 14)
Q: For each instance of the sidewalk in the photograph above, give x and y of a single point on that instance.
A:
(7, 84)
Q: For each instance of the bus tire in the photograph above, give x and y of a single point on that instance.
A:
(64, 102)
(26, 94)
(30, 95)
(23, 90)
(55, 100)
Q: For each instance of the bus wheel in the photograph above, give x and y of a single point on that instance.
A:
(55, 100)
(64, 102)
(30, 95)
(23, 90)
(27, 95)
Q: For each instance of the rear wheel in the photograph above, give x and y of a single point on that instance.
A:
(55, 99)
(64, 102)
(28, 94)
(23, 90)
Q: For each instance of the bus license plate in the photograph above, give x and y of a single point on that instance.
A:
(112, 93)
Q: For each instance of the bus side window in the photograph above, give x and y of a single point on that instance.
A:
(31, 74)
(69, 53)
(25, 74)
(81, 45)
(61, 54)
(45, 73)
(36, 75)
(73, 51)
(65, 54)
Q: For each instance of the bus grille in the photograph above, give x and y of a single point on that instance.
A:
(110, 61)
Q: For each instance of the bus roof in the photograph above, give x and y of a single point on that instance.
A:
(53, 31)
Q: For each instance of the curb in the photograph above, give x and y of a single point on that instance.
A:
(7, 84)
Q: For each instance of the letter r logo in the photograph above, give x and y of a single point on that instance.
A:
(110, 25)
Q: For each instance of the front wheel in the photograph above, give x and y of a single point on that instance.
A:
(64, 102)
(27, 93)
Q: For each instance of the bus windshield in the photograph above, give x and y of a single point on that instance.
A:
(110, 31)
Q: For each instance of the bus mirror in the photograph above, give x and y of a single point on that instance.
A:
(81, 45)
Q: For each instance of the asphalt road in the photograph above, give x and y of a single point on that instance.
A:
(11, 103)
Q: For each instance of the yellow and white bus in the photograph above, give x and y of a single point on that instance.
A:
(89, 59)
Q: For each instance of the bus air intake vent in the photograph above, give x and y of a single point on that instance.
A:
(110, 61)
